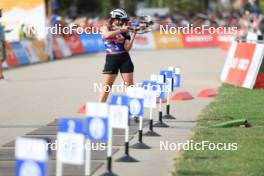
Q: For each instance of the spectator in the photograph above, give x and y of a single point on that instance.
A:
(2, 51)
(73, 10)
(2, 48)
(261, 28)
(22, 32)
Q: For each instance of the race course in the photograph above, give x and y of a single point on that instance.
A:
(38, 94)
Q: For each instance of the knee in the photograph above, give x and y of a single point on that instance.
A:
(107, 88)
(128, 83)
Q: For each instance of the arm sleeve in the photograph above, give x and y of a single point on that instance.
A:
(127, 36)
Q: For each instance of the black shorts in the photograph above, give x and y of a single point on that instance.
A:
(118, 62)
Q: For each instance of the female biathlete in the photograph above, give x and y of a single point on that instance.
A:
(118, 42)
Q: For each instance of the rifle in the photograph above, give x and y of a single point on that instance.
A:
(140, 25)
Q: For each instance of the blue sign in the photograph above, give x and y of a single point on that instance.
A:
(120, 100)
(122, 112)
(149, 85)
(154, 86)
(169, 78)
(97, 128)
(176, 80)
(166, 73)
(136, 108)
(20, 53)
(70, 125)
(31, 157)
(92, 42)
(160, 91)
(30, 168)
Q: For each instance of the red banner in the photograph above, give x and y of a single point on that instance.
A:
(199, 40)
(10, 56)
(74, 44)
(242, 64)
(56, 49)
(225, 40)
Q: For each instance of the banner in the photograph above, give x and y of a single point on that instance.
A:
(199, 40)
(225, 40)
(144, 41)
(74, 44)
(56, 49)
(30, 52)
(163, 40)
(20, 53)
(99, 42)
(242, 64)
(39, 47)
(63, 46)
(11, 58)
(92, 42)
(34, 50)
(4, 65)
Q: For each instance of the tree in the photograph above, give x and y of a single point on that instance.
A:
(187, 6)
(105, 6)
(130, 6)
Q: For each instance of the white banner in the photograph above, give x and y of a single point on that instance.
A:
(144, 41)
(63, 46)
(27, 45)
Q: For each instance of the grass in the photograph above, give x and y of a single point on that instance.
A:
(248, 159)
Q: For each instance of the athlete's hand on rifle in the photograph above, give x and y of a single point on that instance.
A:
(133, 35)
(141, 24)
(124, 29)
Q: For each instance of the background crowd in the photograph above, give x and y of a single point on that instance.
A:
(249, 19)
